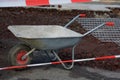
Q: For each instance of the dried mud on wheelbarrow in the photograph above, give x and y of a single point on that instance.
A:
(89, 46)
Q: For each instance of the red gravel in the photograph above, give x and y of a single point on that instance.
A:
(88, 47)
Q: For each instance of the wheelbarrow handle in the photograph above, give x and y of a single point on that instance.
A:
(80, 15)
(101, 25)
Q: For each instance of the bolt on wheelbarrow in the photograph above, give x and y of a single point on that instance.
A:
(48, 38)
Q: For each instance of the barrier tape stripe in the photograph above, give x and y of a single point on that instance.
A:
(13, 67)
(66, 61)
(53, 2)
(106, 57)
(36, 2)
(19, 3)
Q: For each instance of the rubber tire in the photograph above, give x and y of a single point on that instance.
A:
(13, 54)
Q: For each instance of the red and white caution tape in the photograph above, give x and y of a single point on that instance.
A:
(20, 3)
(66, 61)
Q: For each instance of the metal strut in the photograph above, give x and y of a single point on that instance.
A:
(76, 17)
(73, 57)
(23, 58)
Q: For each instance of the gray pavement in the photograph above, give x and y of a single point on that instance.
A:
(58, 73)
(84, 6)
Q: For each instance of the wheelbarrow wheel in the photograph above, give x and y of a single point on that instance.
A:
(16, 54)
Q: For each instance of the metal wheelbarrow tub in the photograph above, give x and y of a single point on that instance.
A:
(46, 37)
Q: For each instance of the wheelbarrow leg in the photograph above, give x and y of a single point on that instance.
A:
(65, 66)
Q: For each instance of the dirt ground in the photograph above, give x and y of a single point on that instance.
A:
(88, 47)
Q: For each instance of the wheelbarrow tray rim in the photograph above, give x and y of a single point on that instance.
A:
(42, 31)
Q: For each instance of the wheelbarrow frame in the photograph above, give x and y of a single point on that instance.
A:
(73, 49)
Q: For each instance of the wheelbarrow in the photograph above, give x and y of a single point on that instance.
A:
(50, 39)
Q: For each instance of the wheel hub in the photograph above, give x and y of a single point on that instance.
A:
(19, 57)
